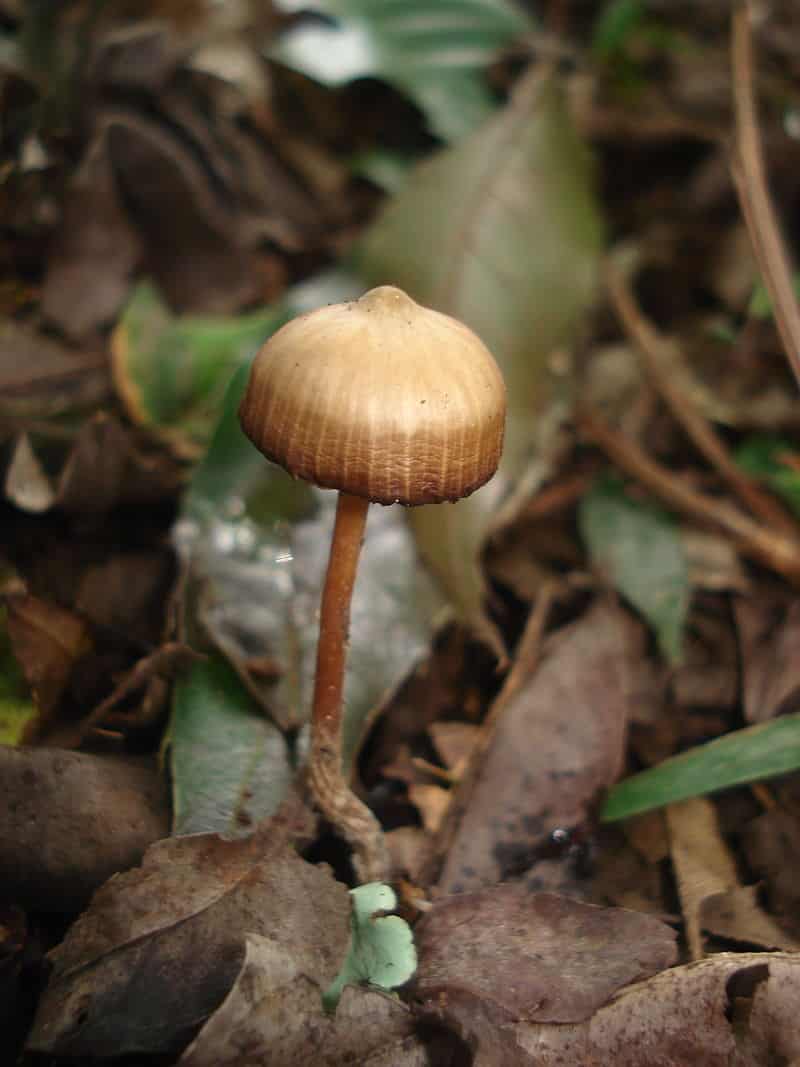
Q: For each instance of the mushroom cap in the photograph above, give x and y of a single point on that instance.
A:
(381, 398)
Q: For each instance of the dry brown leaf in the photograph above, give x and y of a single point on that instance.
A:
(558, 744)
(274, 1014)
(701, 860)
(47, 641)
(737, 915)
(40, 377)
(732, 1010)
(69, 820)
(504, 956)
(95, 252)
(160, 946)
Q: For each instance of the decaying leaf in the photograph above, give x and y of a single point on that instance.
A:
(160, 946)
(77, 819)
(274, 1015)
(504, 955)
(559, 742)
(40, 377)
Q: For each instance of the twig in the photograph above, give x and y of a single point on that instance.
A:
(769, 547)
(747, 168)
(649, 342)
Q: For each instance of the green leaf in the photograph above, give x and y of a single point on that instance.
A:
(172, 372)
(381, 950)
(230, 765)
(614, 26)
(435, 54)
(503, 232)
(639, 548)
(760, 306)
(774, 461)
(750, 755)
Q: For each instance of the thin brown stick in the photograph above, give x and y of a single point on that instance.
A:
(699, 430)
(749, 176)
(340, 806)
(769, 547)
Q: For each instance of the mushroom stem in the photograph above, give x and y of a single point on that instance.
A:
(340, 806)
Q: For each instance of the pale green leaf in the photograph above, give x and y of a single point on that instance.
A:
(749, 755)
(435, 54)
(381, 950)
(230, 765)
(639, 549)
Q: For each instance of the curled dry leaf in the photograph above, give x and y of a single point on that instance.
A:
(558, 743)
(69, 821)
(505, 956)
(160, 946)
(274, 1015)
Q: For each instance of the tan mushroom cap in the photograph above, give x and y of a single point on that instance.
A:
(381, 398)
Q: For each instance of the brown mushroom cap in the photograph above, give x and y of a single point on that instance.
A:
(380, 398)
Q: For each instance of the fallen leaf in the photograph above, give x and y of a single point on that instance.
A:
(188, 229)
(160, 946)
(737, 915)
(48, 641)
(557, 745)
(732, 1010)
(701, 860)
(503, 955)
(69, 821)
(231, 767)
(95, 250)
(638, 549)
(274, 1015)
(39, 377)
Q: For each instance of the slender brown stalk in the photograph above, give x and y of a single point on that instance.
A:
(750, 179)
(338, 803)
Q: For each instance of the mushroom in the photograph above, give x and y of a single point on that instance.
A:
(386, 401)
